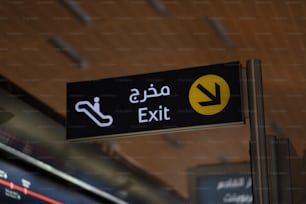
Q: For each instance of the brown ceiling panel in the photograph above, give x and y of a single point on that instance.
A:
(130, 37)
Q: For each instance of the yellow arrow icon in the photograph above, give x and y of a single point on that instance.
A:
(209, 94)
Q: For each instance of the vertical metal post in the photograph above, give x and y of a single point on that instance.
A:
(273, 146)
(257, 128)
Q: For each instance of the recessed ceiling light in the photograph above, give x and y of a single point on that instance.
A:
(220, 31)
(158, 6)
(65, 48)
(78, 11)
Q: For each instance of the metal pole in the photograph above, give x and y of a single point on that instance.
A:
(273, 146)
(257, 128)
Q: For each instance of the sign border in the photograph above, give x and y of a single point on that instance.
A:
(166, 130)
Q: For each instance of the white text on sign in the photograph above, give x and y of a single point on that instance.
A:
(147, 114)
(150, 93)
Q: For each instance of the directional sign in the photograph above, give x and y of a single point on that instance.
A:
(220, 183)
(205, 94)
(154, 103)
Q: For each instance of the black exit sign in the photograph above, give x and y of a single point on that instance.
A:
(155, 103)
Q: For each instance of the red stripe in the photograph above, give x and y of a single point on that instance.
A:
(33, 194)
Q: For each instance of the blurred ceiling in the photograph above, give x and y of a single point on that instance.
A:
(125, 37)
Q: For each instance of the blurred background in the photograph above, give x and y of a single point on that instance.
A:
(44, 44)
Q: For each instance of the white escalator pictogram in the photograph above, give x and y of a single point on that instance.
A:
(94, 113)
